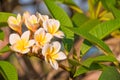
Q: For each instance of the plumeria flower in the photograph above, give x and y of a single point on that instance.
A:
(52, 27)
(26, 15)
(52, 53)
(21, 44)
(41, 37)
(31, 22)
(42, 18)
(15, 23)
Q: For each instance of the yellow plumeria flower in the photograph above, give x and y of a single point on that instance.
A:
(52, 53)
(31, 22)
(21, 44)
(42, 18)
(52, 27)
(41, 37)
(15, 23)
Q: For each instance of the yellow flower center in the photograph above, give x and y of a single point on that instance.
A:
(21, 44)
(51, 55)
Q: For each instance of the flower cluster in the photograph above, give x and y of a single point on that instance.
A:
(39, 39)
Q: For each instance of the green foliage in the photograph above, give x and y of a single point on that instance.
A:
(1, 35)
(93, 64)
(92, 39)
(101, 31)
(4, 18)
(4, 49)
(82, 69)
(59, 14)
(8, 71)
(110, 73)
(79, 19)
(86, 25)
(103, 58)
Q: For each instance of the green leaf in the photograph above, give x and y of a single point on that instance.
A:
(103, 58)
(83, 69)
(4, 49)
(8, 71)
(59, 14)
(110, 5)
(110, 73)
(73, 62)
(92, 39)
(1, 35)
(100, 31)
(4, 17)
(72, 5)
(79, 19)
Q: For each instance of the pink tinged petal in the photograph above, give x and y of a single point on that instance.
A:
(61, 56)
(45, 49)
(26, 35)
(56, 45)
(44, 17)
(19, 18)
(48, 37)
(59, 34)
(54, 64)
(55, 25)
(13, 38)
(26, 15)
(40, 30)
(30, 43)
(33, 19)
(45, 25)
(39, 34)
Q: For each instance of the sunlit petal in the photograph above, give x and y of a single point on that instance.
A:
(40, 31)
(13, 38)
(45, 49)
(54, 64)
(56, 25)
(30, 43)
(25, 51)
(26, 35)
(59, 34)
(56, 45)
(51, 25)
(48, 37)
(61, 56)
(19, 18)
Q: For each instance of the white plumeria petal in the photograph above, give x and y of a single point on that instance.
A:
(61, 56)
(25, 51)
(30, 43)
(56, 45)
(12, 20)
(40, 31)
(54, 64)
(45, 17)
(26, 35)
(51, 25)
(45, 49)
(48, 37)
(19, 18)
(33, 19)
(13, 38)
(56, 25)
(26, 15)
(59, 34)
(45, 25)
